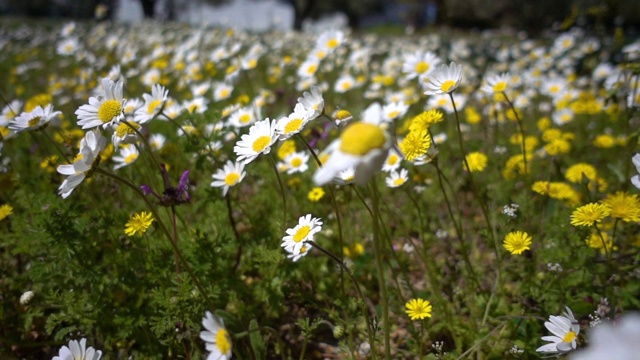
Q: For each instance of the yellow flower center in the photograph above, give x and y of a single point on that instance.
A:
(231, 178)
(130, 158)
(301, 234)
(569, 337)
(78, 157)
(33, 122)
(421, 67)
(500, 86)
(245, 118)
(312, 69)
(346, 85)
(224, 93)
(360, 138)
(261, 143)
(108, 110)
(447, 85)
(393, 159)
(231, 69)
(394, 114)
(332, 44)
(153, 106)
(223, 341)
(293, 125)
(123, 129)
(398, 181)
(252, 63)
(296, 162)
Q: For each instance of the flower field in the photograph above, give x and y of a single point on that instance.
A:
(177, 192)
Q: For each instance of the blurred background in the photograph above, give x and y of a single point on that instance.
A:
(409, 15)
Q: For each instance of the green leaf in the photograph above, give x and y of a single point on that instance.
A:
(257, 344)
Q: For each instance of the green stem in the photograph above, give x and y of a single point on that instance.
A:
(365, 311)
(284, 198)
(377, 245)
(55, 145)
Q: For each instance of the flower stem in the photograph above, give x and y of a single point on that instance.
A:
(284, 198)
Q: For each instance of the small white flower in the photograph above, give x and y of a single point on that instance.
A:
(565, 329)
(26, 297)
(103, 110)
(615, 341)
(296, 162)
(128, 155)
(152, 104)
(305, 231)
(34, 119)
(313, 102)
(88, 158)
(444, 79)
(78, 351)
(397, 179)
(230, 175)
(635, 180)
(216, 337)
(258, 141)
(294, 123)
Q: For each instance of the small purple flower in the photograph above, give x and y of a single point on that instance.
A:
(171, 196)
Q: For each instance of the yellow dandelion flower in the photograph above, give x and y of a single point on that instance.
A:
(604, 243)
(575, 173)
(516, 242)
(5, 210)
(418, 309)
(138, 223)
(623, 206)
(425, 119)
(604, 141)
(477, 161)
(415, 144)
(588, 215)
(315, 194)
(353, 251)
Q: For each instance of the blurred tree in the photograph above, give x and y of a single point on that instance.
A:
(353, 9)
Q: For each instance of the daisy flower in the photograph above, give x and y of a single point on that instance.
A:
(294, 123)
(258, 141)
(589, 214)
(613, 340)
(313, 102)
(78, 351)
(216, 337)
(418, 309)
(156, 141)
(35, 119)
(394, 110)
(308, 68)
(132, 105)
(10, 112)
(495, 84)
(330, 40)
(123, 132)
(222, 91)
(244, 116)
(153, 104)
(230, 175)
(344, 83)
(305, 231)
(516, 242)
(362, 146)
(392, 162)
(565, 329)
(420, 64)
(296, 162)
(88, 158)
(138, 223)
(304, 250)
(104, 110)
(635, 180)
(444, 79)
(128, 155)
(397, 179)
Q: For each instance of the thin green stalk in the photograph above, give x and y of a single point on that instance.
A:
(232, 222)
(175, 238)
(365, 311)
(164, 230)
(284, 197)
(377, 245)
(521, 128)
(55, 145)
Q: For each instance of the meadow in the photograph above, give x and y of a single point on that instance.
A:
(177, 192)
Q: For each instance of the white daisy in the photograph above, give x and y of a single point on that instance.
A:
(396, 179)
(392, 162)
(78, 351)
(222, 91)
(216, 337)
(296, 162)
(153, 104)
(635, 180)
(394, 110)
(87, 159)
(244, 116)
(362, 146)
(305, 231)
(132, 105)
(312, 102)
(230, 175)
(615, 341)
(128, 155)
(304, 250)
(124, 133)
(156, 141)
(565, 329)
(294, 123)
(34, 119)
(258, 141)
(495, 84)
(420, 64)
(444, 79)
(104, 110)
(308, 68)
